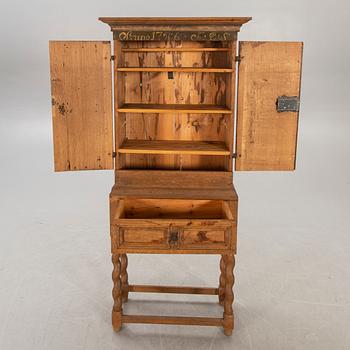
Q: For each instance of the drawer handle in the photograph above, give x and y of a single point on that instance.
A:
(202, 236)
(173, 235)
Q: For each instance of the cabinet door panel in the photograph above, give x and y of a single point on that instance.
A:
(81, 91)
(265, 138)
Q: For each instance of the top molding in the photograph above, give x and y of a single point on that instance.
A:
(174, 28)
(145, 21)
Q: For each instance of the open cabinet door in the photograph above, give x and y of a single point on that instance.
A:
(81, 91)
(268, 105)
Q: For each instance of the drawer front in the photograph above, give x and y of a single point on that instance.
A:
(130, 236)
(218, 237)
(184, 235)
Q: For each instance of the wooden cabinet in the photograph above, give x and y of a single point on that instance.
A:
(168, 131)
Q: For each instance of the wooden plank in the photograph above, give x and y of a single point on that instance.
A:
(174, 193)
(174, 221)
(171, 209)
(173, 108)
(146, 21)
(119, 92)
(179, 179)
(132, 250)
(81, 90)
(172, 289)
(173, 320)
(230, 100)
(175, 69)
(176, 49)
(174, 147)
(174, 184)
(228, 211)
(266, 139)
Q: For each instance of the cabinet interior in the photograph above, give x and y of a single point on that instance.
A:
(175, 91)
(133, 208)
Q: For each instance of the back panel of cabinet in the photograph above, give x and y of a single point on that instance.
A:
(175, 91)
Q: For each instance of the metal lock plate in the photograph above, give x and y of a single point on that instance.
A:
(287, 104)
(173, 235)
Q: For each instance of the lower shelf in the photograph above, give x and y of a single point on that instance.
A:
(213, 148)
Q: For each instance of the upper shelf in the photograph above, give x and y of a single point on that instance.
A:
(213, 148)
(175, 69)
(173, 108)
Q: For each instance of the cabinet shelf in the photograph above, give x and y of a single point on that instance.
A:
(174, 108)
(175, 69)
(177, 49)
(213, 148)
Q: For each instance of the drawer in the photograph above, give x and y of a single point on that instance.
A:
(215, 236)
(135, 236)
(142, 225)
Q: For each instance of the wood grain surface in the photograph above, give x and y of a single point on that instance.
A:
(213, 148)
(266, 139)
(81, 90)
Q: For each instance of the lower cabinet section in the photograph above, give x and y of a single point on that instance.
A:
(173, 226)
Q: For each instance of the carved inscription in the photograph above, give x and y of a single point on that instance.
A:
(173, 35)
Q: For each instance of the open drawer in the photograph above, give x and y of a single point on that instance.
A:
(173, 225)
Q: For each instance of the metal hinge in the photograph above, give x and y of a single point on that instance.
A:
(234, 155)
(114, 154)
(112, 58)
(238, 58)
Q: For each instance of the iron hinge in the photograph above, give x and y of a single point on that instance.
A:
(234, 155)
(238, 59)
(114, 154)
(112, 58)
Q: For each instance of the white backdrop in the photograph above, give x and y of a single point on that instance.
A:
(292, 272)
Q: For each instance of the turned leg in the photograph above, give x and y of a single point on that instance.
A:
(124, 277)
(222, 280)
(117, 293)
(228, 311)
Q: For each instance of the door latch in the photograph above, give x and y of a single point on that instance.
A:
(287, 104)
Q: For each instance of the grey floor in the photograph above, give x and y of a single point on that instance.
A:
(292, 271)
